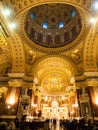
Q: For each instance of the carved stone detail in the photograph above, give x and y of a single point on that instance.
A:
(77, 56)
(90, 52)
(15, 83)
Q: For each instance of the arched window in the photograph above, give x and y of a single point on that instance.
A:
(45, 25)
(60, 24)
(73, 13)
(32, 15)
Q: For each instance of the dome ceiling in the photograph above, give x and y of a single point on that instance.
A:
(53, 25)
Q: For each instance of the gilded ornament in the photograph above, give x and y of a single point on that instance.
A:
(77, 56)
(15, 83)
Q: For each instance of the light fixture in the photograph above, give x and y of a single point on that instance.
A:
(61, 110)
(54, 103)
(7, 12)
(93, 20)
(11, 101)
(96, 101)
(12, 25)
(63, 98)
(95, 5)
(8, 106)
(46, 98)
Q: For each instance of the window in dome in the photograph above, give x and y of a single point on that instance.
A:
(32, 15)
(73, 13)
(45, 25)
(61, 25)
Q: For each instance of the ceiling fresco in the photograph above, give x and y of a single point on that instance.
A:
(53, 25)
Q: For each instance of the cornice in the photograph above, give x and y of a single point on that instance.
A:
(91, 74)
(16, 75)
(4, 78)
(80, 78)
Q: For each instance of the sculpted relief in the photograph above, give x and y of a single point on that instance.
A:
(77, 56)
(30, 57)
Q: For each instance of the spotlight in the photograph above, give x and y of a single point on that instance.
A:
(7, 12)
(92, 20)
(12, 25)
(95, 5)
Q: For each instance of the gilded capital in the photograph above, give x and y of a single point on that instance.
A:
(15, 83)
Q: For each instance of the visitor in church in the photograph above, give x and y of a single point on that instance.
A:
(54, 123)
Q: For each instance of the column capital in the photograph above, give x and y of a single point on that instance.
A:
(15, 83)
(92, 82)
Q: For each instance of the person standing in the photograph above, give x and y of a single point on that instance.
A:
(54, 123)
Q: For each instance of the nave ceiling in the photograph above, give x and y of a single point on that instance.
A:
(30, 50)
